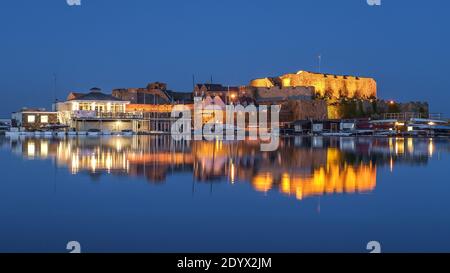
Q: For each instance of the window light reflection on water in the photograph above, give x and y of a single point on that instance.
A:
(302, 166)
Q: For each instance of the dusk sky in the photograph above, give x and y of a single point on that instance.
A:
(109, 44)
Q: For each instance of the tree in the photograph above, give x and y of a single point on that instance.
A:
(375, 106)
(343, 93)
(329, 94)
(393, 107)
(317, 96)
(358, 95)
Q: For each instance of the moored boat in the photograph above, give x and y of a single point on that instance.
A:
(47, 133)
(93, 132)
(4, 128)
(386, 133)
(127, 132)
(60, 133)
(38, 133)
(72, 133)
(55, 130)
(339, 134)
(13, 133)
(26, 133)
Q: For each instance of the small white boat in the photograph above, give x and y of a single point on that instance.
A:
(339, 134)
(12, 133)
(38, 133)
(4, 128)
(93, 132)
(82, 133)
(72, 133)
(385, 133)
(364, 132)
(26, 133)
(156, 132)
(47, 133)
(60, 133)
(126, 132)
(55, 130)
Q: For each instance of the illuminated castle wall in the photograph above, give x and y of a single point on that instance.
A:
(327, 176)
(324, 84)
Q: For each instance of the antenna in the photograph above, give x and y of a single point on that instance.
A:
(54, 88)
(320, 63)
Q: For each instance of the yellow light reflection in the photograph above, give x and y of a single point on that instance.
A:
(431, 148)
(31, 149)
(232, 173)
(263, 182)
(44, 148)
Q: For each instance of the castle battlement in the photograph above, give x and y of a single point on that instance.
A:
(330, 85)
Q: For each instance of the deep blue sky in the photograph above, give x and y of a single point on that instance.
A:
(121, 43)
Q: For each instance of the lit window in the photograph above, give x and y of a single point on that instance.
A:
(44, 119)
(31, 119)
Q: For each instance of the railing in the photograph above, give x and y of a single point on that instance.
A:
(155, 115)
(404, 116)
(438, 116)
(129, 115)
(120, 115)
(99, 115)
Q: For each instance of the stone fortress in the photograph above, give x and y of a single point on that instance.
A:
(325, 85)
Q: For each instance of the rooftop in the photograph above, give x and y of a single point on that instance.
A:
(93, 95)
(33, 110)
(216, 87)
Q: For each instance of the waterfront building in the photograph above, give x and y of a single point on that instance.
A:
(31, 119)
(94, 110)
(155, 118)
(154, 103)
(209, 115)
(142, 110)
(228, 94)
(95, 101)
(154, 93)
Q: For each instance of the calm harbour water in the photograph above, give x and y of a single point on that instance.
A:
(151, 194)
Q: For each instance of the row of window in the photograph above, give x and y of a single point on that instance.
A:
(100, 108)
(32, 119)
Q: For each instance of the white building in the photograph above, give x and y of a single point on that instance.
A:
(94, 110)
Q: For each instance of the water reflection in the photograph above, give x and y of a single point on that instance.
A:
(301, 167)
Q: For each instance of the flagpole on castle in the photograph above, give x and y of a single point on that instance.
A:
(320, 63)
